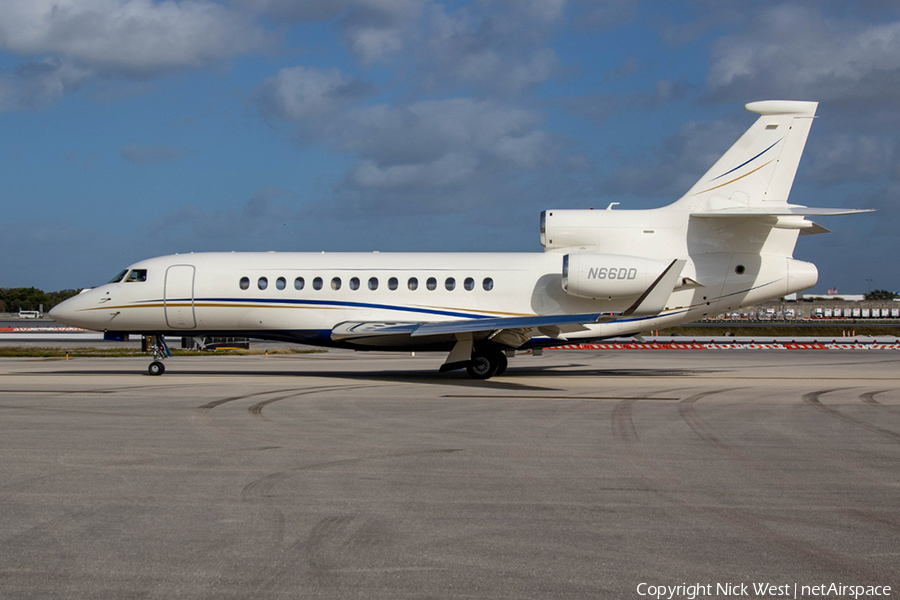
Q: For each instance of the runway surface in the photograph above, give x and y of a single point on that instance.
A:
(577, 474)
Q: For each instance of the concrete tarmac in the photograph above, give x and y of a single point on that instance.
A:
(578, 474)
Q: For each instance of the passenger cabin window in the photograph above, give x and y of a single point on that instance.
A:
(336, 283)
(469, 284)
(450, 284)
(118, 277)
(137, 275)
(245, 283)
(299, 283)
(317, 283)
(392, 283)
(354, 283)
(431, 284)
(373, 283)
(487, 284)
(280, 283)
(262, 283)
(412, 284)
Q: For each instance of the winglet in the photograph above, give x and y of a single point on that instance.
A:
(653, 300)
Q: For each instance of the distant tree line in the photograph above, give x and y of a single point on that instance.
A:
(881, 295)
(16, 299)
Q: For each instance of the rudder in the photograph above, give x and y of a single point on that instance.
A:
(759, 169)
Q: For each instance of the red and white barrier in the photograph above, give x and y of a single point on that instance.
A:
(751, 345)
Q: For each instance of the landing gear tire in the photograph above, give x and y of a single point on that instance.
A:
(485, 365)
(156, 368)
(504, 362)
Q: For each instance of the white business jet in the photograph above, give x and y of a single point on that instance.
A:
(725, 244)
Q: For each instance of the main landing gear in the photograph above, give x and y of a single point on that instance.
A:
(487, 363)
(157, 344)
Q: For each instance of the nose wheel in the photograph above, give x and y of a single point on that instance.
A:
(160, 351)
(156, 368)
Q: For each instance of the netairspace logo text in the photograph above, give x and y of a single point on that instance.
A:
(691, 591)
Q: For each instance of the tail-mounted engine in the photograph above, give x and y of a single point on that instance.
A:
(609, 276)
(592, 230)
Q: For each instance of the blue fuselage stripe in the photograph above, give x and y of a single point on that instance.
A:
(341, 304)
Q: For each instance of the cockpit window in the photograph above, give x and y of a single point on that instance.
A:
(118, 277)
(137, 275)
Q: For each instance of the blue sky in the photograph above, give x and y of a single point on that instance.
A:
(135, 128)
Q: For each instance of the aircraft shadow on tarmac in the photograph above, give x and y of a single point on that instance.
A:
(457, 378)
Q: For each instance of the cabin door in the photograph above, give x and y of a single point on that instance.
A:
(179, 297)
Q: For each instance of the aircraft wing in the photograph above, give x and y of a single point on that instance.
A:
(551, 325)
(477, 325)
(511, 331)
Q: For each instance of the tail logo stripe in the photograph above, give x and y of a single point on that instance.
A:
(746, 163)
(736, 178)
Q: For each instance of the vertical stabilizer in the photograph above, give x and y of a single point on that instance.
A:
(759, 169)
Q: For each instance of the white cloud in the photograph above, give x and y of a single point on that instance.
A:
(131, 37)
(843, 157)
(270, 216)
(793, 51)
(378, 29)
(439, 156)
(39, 84)
(501, 52)
(597, 15)
(300, 93)
(448, 170)
(671, 169)
(424, 131)
(295, 10)
(411, 157)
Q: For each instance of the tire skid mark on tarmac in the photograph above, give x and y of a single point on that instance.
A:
(869, 398)
(324, 553)
(258, 493)
(326, 530)
(812, 398)
(875, 517)
(263, 486)
(669, 487)
(700, 427)
(256, 409)
(53, 536)
(622, 420)
(833, 561)
(211, 405)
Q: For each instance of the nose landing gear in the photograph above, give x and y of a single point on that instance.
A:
(160, 349)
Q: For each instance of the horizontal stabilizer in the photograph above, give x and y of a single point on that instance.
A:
(785, 210)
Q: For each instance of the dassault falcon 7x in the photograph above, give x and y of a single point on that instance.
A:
(728, 242)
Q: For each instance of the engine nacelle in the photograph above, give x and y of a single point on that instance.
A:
(608, 276)
(593, 230)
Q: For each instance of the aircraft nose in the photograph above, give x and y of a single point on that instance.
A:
(74, 312)
(62, 312)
